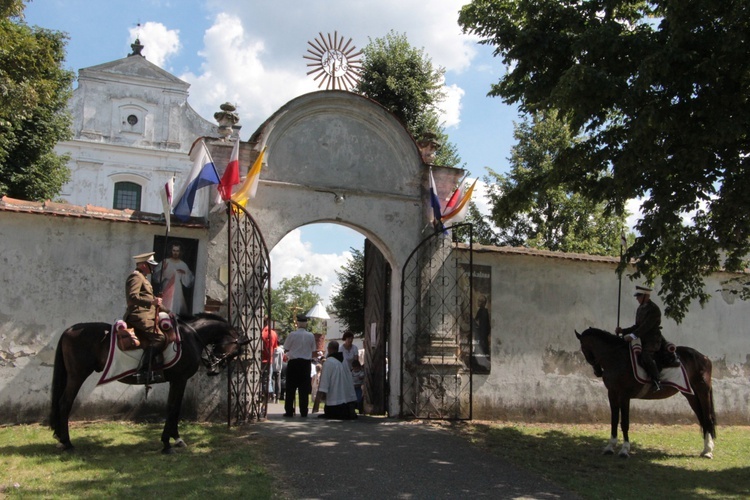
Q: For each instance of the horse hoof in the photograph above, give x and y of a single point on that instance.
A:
(707, 455)
(180, 443)
(623, 455)
(168, 451)
(608, 452)
(65, 446)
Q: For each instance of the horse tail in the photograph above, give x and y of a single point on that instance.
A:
(710, 411)
(59, 381)
(705, 368)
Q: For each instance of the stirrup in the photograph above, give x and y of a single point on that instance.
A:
(657, 386)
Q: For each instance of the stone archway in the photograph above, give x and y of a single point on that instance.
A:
(334, 156)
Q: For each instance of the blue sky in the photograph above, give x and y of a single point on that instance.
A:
(250, 54)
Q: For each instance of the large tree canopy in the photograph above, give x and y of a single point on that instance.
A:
(531, 208)
(661, 91)
(402, 79)
(34, 93)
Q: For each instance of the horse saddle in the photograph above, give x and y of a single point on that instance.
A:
(123, 363)
(674, 376)
(128, 338)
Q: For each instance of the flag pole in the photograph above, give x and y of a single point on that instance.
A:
(623, 243)
(163, 258)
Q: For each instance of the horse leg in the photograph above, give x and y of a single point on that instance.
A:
(704, 418)
(614, 408)
(65, 405)
(625, 409)
(174, 404)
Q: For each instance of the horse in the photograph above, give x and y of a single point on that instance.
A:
(83, 349)
(609, 355)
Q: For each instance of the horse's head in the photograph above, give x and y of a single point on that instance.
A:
(588, 348)
(221, 340)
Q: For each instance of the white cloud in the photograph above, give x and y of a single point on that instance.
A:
(254, 57)
(451, 107)
(292, 257)
(159, 42)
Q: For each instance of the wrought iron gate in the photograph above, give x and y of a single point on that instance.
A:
(249, 304)
(436, 377)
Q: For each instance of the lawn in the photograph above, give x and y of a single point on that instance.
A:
(123, 460)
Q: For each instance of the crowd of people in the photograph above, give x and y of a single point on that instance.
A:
(334, 379)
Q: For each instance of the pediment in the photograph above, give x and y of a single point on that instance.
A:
(133, 68)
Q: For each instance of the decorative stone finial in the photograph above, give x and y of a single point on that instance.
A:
(428, 146)
(226, 119)
(137, 48)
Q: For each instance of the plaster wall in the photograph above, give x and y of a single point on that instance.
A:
(59, 271)
(538, 372)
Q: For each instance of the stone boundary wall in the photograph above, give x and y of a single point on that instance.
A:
(62, 265)
(538, 373)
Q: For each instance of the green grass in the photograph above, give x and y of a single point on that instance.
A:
(124, 460)
(664, 461)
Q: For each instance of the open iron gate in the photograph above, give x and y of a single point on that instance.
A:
(249, 304)
(436, 377)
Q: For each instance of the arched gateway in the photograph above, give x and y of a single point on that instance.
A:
(336, 157)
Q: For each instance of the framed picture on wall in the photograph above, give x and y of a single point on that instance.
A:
(174, 277)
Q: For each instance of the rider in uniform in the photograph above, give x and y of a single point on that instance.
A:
(648, 328)
(143, 307)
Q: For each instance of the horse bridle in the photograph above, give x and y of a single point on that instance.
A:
(214, 363)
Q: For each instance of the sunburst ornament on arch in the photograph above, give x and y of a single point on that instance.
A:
(336, 64)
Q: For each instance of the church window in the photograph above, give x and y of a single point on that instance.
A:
(127, 195)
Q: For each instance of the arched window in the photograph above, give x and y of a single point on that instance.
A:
(127, 195)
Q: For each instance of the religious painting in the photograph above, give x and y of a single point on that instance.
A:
(174, 277)
(475, 325)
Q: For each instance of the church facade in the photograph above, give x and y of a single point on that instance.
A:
(132, 131)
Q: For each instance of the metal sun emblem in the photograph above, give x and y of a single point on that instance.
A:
(336, 64)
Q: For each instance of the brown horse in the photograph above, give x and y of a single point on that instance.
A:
(610, 356)
(83, 349)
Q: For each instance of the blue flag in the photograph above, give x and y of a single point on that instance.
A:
(202, 174)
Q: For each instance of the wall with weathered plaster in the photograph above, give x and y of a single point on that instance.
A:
(538, 373)
(61, 270)
(58, 270)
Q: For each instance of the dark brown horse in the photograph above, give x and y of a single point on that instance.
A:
(609, 354)
(83, 349)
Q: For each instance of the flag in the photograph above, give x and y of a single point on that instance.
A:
(202, 174)
(458, 214)
(250, 186)
(435, 203)
(166, 199)
(455, 197)
(231, 175)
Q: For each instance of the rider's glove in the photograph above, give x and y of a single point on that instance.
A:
(630, 337)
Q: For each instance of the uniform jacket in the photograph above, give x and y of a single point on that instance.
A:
(141, 313)
(647, 326)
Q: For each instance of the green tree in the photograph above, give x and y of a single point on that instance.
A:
(293, 296)
(530, 205)
(403, 80)
(349, 300)
(662, 91)
(34, 93)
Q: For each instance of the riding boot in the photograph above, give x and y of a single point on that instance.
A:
(144, 369)
(653, 372)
